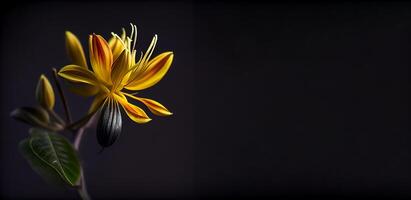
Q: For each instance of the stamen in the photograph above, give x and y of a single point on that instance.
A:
(123, 34)
(138, 64)
(133, 57)
(145, 66)
(141, 56)
(146, 55)
(135, 37)
(152, 49)
(128, 43)
(132, 30)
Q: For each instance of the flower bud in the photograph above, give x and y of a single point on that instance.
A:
(34, 116)
(109, 125)
(45, 93)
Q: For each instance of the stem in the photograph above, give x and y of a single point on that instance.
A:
(77, 139)
(80, 132)
(82, 190)
(63, 98)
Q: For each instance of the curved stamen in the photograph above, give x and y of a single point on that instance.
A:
(152, 49)
(145, 66)
(141, 56)
(135, 37)
(132, 30)
(149, 50)
(128, 43)
(123, 34)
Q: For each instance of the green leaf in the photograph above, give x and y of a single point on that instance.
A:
(45, 171)
(35, 116)
(57, 152)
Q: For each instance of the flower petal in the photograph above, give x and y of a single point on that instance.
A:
(45, 93)
(76, 73)
(101, 57)
(135, 113)
(155, 107)
(116, 46)
(83, 89)
(120, 68)
(81, 80)
(75, 50)
(154, 72)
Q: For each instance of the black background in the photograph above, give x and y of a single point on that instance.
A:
(269, 100)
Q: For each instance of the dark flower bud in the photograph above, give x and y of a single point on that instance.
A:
(109, 124)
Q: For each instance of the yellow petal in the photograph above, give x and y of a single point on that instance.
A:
(75, 50)
(120, 68)
(135, 113)
(81, 80)
(155, 107)
(101, 57)
(97, 102)
(116, 46)
(76, 73)
(154, 72)
(45, 93)
(83, 89)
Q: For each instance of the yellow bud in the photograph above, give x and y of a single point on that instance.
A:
(45, 93)
(75, 50)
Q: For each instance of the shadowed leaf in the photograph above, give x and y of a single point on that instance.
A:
(43, 169)
(55, 151)
(35, 116)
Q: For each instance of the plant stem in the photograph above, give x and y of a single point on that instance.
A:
(80, 132)
(82, 190)
(63, 98)
(78, 137)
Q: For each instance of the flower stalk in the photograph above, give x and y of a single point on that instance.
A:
(82, 189)
(62, 96)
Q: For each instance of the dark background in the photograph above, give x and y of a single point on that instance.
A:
(269, 100)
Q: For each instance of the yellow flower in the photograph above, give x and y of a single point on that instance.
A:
(114, 67)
